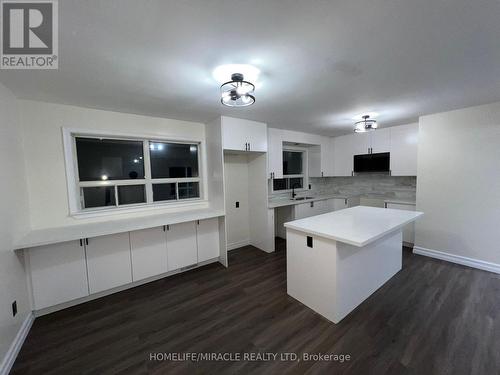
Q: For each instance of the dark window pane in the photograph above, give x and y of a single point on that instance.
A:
(279, 184)
(130, 194)
(109, 159)
(296, 183)
(99, 196)
(292, 162)
(189, 190)
(173, 160)
(164, 192)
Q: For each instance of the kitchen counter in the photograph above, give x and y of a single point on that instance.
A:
(337, 260)
(54, 235)
(357, 226)
(287, 201)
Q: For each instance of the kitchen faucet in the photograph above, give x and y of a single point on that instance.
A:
(293, 189)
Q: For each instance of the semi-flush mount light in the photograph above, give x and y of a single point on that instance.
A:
(237, 92)
(365, 125)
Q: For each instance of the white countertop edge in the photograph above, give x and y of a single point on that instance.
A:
(401, 201)
(49, 236)
(351, 242)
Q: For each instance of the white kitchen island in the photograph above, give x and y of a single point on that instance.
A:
(337, 260)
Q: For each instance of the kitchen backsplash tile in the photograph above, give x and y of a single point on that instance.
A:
(377, 186)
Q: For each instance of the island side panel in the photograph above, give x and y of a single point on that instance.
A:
(362, 270)
(311, 272)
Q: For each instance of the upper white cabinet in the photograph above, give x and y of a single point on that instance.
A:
(344, 148)
(275, 153)
(149, 252)
(182, 247)
(327, 157)
(404, 144)
(108, 261)
(243, 135)
(400, 141)
(207, 232)
(58, 273)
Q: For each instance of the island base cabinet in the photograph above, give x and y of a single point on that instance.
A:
(149, 252)
(58, 273)
(207, 232)
(182, 246)
(108, 262)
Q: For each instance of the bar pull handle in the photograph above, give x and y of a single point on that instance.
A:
(87, 241)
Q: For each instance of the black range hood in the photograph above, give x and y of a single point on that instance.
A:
(372, 163)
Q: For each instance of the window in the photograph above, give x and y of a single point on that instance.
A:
(293, 171)
(128, 172)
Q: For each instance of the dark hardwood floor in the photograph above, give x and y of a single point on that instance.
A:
(433, 317)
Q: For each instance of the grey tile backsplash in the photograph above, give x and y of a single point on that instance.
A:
(373, 186)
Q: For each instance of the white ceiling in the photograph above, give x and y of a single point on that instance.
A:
(322, 61)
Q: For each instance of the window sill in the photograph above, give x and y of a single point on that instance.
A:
(142, 208)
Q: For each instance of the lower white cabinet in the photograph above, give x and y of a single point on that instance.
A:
(108, 261)
(149, 252)
(58, 273)
(337, 204)
(207, 232)
(409, 229)
(182, 246)
(308, 209)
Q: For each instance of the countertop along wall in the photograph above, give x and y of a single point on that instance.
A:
(44, 155)
(14, 221)
(458, 186)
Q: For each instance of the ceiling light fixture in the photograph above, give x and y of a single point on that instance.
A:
(365, 125)
(237, 92)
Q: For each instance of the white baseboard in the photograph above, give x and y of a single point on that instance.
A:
(236, 245)
(11, 355)
(464, 261)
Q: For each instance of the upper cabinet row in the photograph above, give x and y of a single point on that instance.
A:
(243, 135)
(334, 156)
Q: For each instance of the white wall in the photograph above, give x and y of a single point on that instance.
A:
(236, 190)
(458, 184)
(13, 222)
(42, 123)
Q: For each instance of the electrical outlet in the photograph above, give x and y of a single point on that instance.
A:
(309, 186)
(237, 204)
(14, 308)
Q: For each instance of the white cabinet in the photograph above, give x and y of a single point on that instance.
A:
(409, 229)
(108, 261)
(380, 141)
(321, 158)
(308, 209)
(58, 273)
(182, 248)
(149, 252)
(404, 142)
(243, 135)
(336, 204)
(275, 153)
(207, 233)
(344, 148)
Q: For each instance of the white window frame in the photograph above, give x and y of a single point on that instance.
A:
(304, 175)
(74, 184)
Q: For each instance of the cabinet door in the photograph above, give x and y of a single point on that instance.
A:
(301, 211)
(337, 204)
(320, 207)
(327, 157)
(182, 249)
(108, 261)
(275, 153)
(58, 273)
(149, 252)
(409, 229)
(361, 142)
(314, 161)
(343, 148)
(380, 141)
(404, 144)
(236, 133)
(207, 232)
